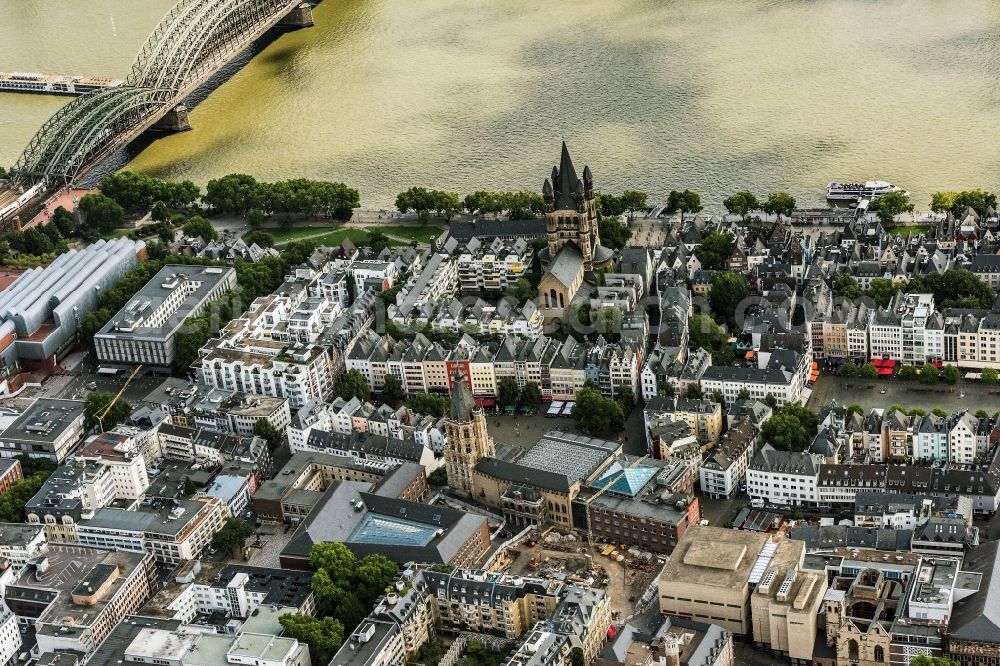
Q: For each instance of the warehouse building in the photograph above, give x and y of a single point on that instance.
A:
(144, 331)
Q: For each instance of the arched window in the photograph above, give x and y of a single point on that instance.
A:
(852, 650)
(562, 303)
(552, 293)
(879, 653)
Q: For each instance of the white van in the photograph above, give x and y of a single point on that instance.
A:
(757, 503)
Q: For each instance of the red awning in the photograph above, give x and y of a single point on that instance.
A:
(885, 371)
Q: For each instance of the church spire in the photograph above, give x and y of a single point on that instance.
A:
(462, 402)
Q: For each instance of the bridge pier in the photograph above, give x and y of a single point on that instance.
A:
(176, 120)
(300, 17)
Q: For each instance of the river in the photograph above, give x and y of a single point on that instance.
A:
(713, 95)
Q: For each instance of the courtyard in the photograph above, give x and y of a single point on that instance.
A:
(869, 394)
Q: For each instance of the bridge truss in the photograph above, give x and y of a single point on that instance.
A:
(192, 42)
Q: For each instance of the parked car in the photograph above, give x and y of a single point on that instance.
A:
(757, 503)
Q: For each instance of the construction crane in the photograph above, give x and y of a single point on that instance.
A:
(607, 486)
(100, 417)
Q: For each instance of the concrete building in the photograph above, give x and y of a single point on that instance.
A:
(198, 406)
(19, 543)
(712, 573)
(144, 330)
(783, 477)
(785, 607)
(75, 595)
(48, 428)
(403, 531)
(676, 641)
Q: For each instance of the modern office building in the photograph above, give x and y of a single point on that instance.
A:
(144, 331)
(49, 428)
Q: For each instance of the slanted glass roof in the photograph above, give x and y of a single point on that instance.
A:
(628, 483)
(380, 529)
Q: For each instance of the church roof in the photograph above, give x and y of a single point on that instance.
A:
(462, 402)
(566, 183)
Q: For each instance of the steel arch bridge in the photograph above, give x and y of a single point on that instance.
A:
(191, 43)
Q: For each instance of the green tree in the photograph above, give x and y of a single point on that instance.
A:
(950, 375)
(790, 428)
(626, 397)
(694, 392)
(940, 413)
(531, 394)
(323, 636)
(522, 291)
(373, 574)
(261, 238)
(199, 226)
(354, 385)
(780, 204)
(868, 371)
(236, 193)
(614, 234)
(856, 409)
(438, 477)
(232, 535)
(990, 376)
(633, 200)
(189, 341)
(850, 371)
(741, 203)
(189, 487)
(954, 288)
(377, 241)
(907, 373)
(978, 200)
(728, 291)
(596, 414)
(942, 202)
(507, 391)
(265, 430)
(846, 285)
(891, 204)
(392, 390)
(13, 501)
(881, 290)
(704, 333)
(577, 657)
(924, 660)
(96, 410)
(428, 403)
(929, 374)
(714, 250)
(683, 202)
(100, 212)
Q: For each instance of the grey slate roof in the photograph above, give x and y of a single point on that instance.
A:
(977, 617)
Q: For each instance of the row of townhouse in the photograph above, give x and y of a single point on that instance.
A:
(549, 619)
(558, 368)
(804, 479)
(909, 330)
(347, 416)
(504, 318)
(892, 436)
(781, 373)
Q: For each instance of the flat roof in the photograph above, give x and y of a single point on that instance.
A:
(44, 421)
(135, 318)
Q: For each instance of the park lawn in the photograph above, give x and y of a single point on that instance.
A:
(903, 229)
(419, 234)
(335, 238)
(282, 236)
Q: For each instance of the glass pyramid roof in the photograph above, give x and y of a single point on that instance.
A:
(628, 483)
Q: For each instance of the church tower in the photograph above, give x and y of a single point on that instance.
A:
(468, 440)
(570, 210)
